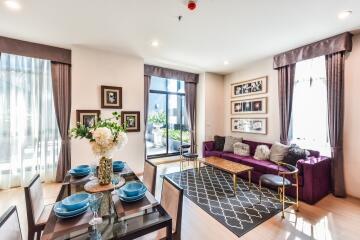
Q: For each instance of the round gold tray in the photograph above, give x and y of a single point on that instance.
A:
(93, 186)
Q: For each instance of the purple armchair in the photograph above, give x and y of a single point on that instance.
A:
(314, 172)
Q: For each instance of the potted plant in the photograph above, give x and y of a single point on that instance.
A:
(158, 120)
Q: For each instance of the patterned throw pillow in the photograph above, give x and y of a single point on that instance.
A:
(262, 152)
(278, 151)
(219, 143)
(295, 153)
(241, 149)
(229, 143)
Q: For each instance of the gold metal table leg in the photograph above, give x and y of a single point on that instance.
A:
(234, 180)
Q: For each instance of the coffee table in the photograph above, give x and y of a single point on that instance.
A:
(228, 166)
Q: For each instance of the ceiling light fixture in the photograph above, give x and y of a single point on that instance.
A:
(12, 4)
(226, 62)
(155, 43)
(344, 14)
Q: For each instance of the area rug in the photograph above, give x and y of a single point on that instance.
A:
(212, 191)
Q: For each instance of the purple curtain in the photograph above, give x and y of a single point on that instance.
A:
(286, 90)
(335, 64)
(190, 101)
(147, 82)
(61, 78)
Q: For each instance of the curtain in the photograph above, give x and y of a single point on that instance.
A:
(286, 88)
(61, 78)
(335, 94)
(170, 74)
(29, 135)
(147, 82)
(190, 101)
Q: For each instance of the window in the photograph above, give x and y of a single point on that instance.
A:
(29, 136)
(309, 123)
(167, 126)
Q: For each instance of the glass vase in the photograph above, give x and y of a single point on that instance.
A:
(105, 170)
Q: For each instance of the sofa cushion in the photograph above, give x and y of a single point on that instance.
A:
(278, 151)
(241, 149)
(294, 154)
(262, 152)
(253, 145)
(229, 143)
(259, 166)
(219, 142)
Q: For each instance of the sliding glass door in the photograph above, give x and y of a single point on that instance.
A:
(167, 125)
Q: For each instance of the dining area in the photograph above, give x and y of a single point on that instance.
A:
(125, 208)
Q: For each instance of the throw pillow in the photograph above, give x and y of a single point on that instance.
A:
(219, 143)
(241, 149)
(229, 143)
(262, 152)
(295, 153)
(278, 151)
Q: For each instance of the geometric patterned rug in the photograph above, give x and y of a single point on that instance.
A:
(212, 191)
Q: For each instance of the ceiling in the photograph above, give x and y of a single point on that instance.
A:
(238, 31)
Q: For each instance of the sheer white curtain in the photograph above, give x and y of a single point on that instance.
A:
(309, 124)
(29, 135)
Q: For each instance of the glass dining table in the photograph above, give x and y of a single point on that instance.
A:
(119, 220)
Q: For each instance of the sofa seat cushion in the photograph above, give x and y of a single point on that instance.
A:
(213, 153)
(258, 165)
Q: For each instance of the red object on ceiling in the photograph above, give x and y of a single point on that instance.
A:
(191, 5)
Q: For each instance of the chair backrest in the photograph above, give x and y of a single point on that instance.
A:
(34, 199)
(149, 177)
(10, 225)
(172, 201)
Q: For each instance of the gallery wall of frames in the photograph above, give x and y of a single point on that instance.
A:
(249, 106)
(111, 98)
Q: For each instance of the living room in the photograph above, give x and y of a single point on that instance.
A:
(237, 120)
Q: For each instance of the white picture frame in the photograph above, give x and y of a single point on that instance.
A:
(249, 106)
(249, 87)
(249, 125)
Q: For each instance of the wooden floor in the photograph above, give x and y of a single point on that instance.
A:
(330, 219)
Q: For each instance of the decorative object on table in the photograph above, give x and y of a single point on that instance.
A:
(88, 118)
(95, 202)
(105, 137)
(132, 191)
(250, 87)
(229, 143)
(262, 152)
(246, 106)
(241, 149)
(131, 119)
(249, 125)
(219, 142)
(278, 151)
(118, 166)
(111, 97)
(93, 186)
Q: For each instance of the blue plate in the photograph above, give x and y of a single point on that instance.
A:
(60, 210)
(76, 201)
(79, 174)
(117, 169)
(125, 198)
(133, 188)
(75, 215)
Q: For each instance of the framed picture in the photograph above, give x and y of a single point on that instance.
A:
(87, 117)
(111, 97)
(250, 87)
(255, 105)
(132, 120)
(249, 125)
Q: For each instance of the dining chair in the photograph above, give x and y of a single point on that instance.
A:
(172, 202)
(149, 177)
(10, 225)
(37, 212)
(281, 182)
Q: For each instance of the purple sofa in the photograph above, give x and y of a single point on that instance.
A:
(314, 172)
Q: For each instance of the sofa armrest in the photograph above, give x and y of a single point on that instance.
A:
(208, 146)
(316, 178)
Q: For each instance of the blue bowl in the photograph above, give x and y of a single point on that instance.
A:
(61, 211)
(125, 198)
(75, 201)
(133, 188)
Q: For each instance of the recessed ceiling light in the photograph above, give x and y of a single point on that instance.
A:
(344, 14)
(226, 62)
(155, 43)
(12, 4)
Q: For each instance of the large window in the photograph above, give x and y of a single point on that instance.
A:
(309, 124)
(29, 136)
(167, 126)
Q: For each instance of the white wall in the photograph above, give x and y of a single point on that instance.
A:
(255, 70)
(210, 107)
(352, 120)
(93, 68)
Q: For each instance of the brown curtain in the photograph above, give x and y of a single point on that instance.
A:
(286, 90)
(147, 82)
(190, 101)
(150, 70)
(61, 78)
(335, 64)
